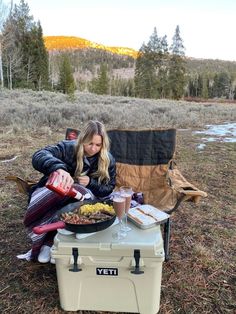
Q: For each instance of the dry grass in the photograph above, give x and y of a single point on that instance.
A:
(199, 278)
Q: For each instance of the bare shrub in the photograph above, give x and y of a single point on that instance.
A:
(159, 110)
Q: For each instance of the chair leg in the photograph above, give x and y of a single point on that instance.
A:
(167, 239)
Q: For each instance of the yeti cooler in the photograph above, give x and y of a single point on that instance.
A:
(97, 273)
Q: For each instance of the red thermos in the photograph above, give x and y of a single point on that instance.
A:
(54, 185)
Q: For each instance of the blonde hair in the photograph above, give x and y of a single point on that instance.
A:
(92, 128)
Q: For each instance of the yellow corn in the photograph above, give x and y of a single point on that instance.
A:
(92, 208)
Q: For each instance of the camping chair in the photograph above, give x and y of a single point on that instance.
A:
(144, 160)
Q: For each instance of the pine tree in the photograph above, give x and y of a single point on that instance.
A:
(145, 76)
(177, 67)
(154, 43)
(100, 84)
(151, 68)
(24, 54)
(66, 80)
(38, 66)
(199, 85)
(154, 54)
(205, 86)
(162, 68)
(23, 22)
(222, 85)
(102, 81)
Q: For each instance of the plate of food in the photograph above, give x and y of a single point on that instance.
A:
(86, 217)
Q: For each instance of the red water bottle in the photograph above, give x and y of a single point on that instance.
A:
(54, 185)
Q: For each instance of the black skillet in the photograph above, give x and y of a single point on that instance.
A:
(77, 228)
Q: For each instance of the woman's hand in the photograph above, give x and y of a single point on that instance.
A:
(65, 179)
(84, 180)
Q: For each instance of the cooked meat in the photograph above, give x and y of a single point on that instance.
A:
(89, 218)
(99, 216)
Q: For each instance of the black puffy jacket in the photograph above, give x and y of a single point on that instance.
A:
(62, 156)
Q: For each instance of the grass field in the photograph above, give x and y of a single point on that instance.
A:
(200, 276)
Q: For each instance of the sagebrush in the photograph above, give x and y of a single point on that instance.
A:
(29, 110)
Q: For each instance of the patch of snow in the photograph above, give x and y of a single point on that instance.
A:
(229, 140)
(218, 133)
(228, 129)
(201, 146)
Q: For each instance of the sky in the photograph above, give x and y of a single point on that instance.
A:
(206, 26)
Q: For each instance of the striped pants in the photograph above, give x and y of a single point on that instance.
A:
(42, 209)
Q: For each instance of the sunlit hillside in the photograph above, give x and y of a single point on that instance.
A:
(69, 42)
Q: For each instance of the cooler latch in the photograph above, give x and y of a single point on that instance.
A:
(136, 270)
(75, 254)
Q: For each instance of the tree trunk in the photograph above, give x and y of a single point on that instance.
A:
(28, 72)
(1, 68)
(40, 83)
(10, 75)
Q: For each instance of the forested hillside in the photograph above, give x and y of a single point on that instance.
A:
(210, 65)
(71, 42)
(89, 52)
(117, 67)
(204, 78)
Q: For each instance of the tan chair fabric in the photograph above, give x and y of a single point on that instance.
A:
(161, 186)
(144, 160)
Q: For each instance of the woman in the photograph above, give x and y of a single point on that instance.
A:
(86, 164)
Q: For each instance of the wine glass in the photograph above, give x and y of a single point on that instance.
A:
(126, 192)
(119, 207)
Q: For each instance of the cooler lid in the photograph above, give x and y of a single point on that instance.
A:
(102, 243)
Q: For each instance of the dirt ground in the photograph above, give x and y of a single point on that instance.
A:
(200, 276)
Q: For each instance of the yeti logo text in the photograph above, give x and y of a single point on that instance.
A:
(107, 271)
